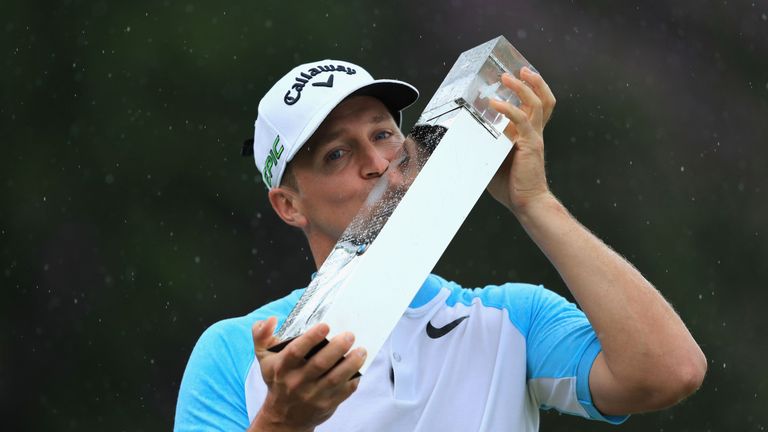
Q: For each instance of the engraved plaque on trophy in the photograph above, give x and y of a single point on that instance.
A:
(417, 206)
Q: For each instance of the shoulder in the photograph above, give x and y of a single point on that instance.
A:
(522, 302)
(234, 332)
(233, 335)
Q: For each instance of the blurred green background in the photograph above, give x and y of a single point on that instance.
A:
(129, 222)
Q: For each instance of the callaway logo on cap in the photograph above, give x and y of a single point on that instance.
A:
(297, 104)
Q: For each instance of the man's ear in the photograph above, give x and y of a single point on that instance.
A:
(287, 204)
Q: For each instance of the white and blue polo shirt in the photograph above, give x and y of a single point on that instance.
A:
(459, 359)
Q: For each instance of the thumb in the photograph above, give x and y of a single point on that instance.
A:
(263, 337)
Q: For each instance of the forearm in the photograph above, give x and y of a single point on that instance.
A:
(642, 336)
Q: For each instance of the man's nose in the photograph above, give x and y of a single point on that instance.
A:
(376, 161)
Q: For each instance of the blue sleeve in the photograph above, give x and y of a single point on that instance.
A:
(212, 392)
(212, 395)
(561, 349)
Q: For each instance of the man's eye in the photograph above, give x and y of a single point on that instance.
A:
(383, 135)
(335, 155)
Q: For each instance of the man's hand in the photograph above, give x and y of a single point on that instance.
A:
(303, 393)
(521, 177)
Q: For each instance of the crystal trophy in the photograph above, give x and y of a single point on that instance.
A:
(417, 206)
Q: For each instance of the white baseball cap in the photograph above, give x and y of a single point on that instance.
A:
(295, 106)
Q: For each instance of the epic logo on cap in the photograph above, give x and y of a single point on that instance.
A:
(272, 157)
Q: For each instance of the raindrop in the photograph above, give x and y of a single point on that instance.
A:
(197, 260)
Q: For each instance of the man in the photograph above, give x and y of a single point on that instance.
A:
(458, 359)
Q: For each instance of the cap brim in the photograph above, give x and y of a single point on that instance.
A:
(396, 95)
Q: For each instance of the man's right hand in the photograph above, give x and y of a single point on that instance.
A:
(302, 393)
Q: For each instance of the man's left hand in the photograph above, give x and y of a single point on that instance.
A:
(521, 178)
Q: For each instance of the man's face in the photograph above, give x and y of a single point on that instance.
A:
(337, 168)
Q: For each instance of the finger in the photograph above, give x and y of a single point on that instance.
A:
(262, 332)
(295, 352)
(330, 355)
(339, 394)
(342, 373)
(528, 98)
(347, 389)
(518, 119)
(542, 90)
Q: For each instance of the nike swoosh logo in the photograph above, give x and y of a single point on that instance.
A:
(436, 333)
(328, 83)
